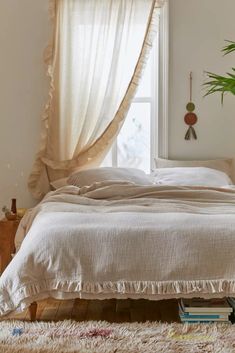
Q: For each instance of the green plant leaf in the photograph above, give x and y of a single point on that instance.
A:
(222, 84)
(229, 48)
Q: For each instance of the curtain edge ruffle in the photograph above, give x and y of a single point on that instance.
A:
(39, 174)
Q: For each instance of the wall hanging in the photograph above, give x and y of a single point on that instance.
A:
(190, 117)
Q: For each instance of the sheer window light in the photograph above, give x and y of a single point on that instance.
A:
(135, 146)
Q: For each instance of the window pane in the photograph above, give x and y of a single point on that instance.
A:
(133, 143)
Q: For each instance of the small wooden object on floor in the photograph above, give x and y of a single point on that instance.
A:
(7, 241)
(33, 311)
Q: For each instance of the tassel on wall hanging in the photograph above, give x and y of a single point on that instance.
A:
(190, 118)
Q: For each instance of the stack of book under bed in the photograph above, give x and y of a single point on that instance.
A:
(201, 310)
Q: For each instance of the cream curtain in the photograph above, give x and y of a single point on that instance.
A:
(95, 63)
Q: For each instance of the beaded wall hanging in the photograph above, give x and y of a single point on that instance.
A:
(190, 117)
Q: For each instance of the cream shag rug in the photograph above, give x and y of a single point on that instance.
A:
(103, 337)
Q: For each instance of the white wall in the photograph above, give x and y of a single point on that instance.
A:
(197, 32)
(24, 31)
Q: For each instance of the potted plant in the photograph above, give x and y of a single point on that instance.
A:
(222, 84)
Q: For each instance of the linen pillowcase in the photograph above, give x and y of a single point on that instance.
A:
(89, 176)
(192, 176)
(224, 165)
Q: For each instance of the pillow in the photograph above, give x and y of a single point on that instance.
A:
(89, 176)
(224, 165)
(192, 176)
(59, 183)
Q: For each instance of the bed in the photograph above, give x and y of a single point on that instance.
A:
(120, 239)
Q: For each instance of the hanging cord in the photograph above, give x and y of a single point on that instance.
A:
(191, 86)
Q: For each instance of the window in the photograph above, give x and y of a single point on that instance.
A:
(136, 143)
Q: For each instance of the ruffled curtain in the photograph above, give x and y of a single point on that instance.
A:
(95, 63)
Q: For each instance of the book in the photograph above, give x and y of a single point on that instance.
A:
(201, 315)
(203, 305)
(202, 320)
(221, 314)
(211, 317)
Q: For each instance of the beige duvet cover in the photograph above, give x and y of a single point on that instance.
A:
(124, 241)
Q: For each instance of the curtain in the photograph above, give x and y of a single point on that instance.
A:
(95, 61)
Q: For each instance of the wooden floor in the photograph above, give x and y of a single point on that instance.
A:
(108, 310)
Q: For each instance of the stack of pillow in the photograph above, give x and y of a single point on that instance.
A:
(90, 176)
(211, 173)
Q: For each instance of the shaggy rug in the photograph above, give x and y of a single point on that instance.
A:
(103, 337)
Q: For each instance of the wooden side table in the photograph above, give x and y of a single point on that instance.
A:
(7, 241)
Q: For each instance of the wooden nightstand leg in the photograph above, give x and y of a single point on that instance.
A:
(33, 311)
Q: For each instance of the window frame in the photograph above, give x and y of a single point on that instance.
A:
(160, 94)
(153, 101)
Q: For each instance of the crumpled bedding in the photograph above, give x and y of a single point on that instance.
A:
(122, 240)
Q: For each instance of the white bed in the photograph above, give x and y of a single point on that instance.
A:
(123, 240)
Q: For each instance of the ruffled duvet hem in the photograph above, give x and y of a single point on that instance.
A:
(70, 289)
